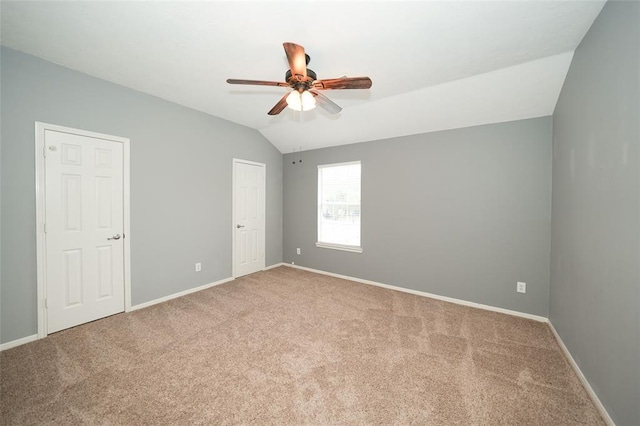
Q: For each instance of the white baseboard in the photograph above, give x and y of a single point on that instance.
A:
(180, 294)
(277, 265)
(587, 386)
(424, 294)
(18, 342)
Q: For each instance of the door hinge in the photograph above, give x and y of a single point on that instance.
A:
(45, 227)
(46, 305)
(44, 151)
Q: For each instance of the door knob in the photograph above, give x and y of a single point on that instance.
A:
(115, 237)
(239, 226)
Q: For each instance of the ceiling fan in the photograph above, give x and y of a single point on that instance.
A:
(305, 94)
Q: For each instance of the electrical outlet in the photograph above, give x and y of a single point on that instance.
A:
(298, 250)
(198, 267)
(521, 287)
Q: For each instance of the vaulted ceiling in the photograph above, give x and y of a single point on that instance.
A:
(435, 65)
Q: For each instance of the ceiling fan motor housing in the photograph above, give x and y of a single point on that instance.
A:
(311, 77)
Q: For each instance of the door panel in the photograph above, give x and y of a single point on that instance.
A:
(249, 221)
(105, 272)
(84, 208)
(72, 278)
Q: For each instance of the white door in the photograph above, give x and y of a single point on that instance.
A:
(249, 217)
(84, 232)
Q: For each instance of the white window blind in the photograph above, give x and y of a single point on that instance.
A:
(339, 206)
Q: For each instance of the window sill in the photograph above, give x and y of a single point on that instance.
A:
(353, 249)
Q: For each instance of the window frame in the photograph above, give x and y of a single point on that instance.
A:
(334, 246)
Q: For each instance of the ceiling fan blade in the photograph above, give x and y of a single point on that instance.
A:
(343, 83)
(281, 105)
(297, 59)
(326, 103)
(257, 82)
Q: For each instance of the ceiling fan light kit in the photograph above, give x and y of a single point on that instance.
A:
(305, 94)
(301, 101)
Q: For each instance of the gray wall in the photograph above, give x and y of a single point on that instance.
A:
(462, 213)
(595, 275)
(181, 163)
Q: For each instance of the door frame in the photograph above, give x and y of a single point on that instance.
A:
(233, 213)
(40, 152)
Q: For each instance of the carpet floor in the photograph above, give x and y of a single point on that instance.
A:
(287, 346)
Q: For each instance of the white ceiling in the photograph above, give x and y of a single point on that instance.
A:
(434, 65)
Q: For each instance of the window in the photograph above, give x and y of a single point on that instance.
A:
(339, 206)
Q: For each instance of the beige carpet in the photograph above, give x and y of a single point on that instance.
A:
(291, 347)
